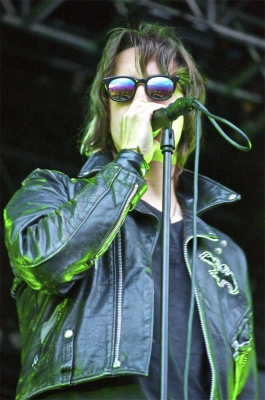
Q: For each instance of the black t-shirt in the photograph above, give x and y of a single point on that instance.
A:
(179, 304)
(148, 388)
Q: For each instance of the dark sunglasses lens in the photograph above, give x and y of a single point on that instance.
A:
(121, 89)
(159, 88)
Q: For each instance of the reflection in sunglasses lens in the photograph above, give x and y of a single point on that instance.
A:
(159, 88)
(121, 89)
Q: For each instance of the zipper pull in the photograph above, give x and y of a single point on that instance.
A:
(116, 363)
(238, 346)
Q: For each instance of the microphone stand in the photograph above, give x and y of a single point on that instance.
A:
(164, 117)
(167, 148)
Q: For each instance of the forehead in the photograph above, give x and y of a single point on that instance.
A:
(127, 63)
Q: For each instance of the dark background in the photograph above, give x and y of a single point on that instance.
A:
(49, 54)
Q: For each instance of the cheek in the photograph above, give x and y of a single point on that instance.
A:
(114, 117)
(116, 113)
(114, 130)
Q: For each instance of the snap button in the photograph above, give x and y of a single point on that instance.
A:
(69, 333)
(223, 243)
(218, 250)
(232, 196)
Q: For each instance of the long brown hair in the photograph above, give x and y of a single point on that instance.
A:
(150, 40)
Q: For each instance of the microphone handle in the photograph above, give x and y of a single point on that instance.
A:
(162, 117)
(182, 106)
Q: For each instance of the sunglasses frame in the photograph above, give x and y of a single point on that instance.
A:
(136, 81)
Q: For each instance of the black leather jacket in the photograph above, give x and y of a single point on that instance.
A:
(81, 253)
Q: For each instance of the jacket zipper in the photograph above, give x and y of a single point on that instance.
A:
(116, 227)
(107, 241)
(117, 363)
(213, 379)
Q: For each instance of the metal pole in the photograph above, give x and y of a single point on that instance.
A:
(167, 148)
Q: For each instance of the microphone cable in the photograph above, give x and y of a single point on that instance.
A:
(194, 252)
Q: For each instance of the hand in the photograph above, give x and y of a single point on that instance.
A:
(136, 130)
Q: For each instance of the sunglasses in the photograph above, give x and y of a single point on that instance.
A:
(123, 88)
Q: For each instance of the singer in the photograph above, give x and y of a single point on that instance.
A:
(86, 252)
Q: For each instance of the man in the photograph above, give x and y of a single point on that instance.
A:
(86, 252)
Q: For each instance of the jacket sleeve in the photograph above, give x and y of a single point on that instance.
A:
(56, 227)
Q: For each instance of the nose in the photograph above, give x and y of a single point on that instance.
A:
(140, 92)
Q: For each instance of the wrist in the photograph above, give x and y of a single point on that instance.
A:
(133, 158)
(136, 150)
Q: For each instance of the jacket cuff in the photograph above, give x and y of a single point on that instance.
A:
(131, 160)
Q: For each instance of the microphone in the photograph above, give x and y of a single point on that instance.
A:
(161, 118)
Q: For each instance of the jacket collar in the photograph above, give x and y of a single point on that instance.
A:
(210, 193)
